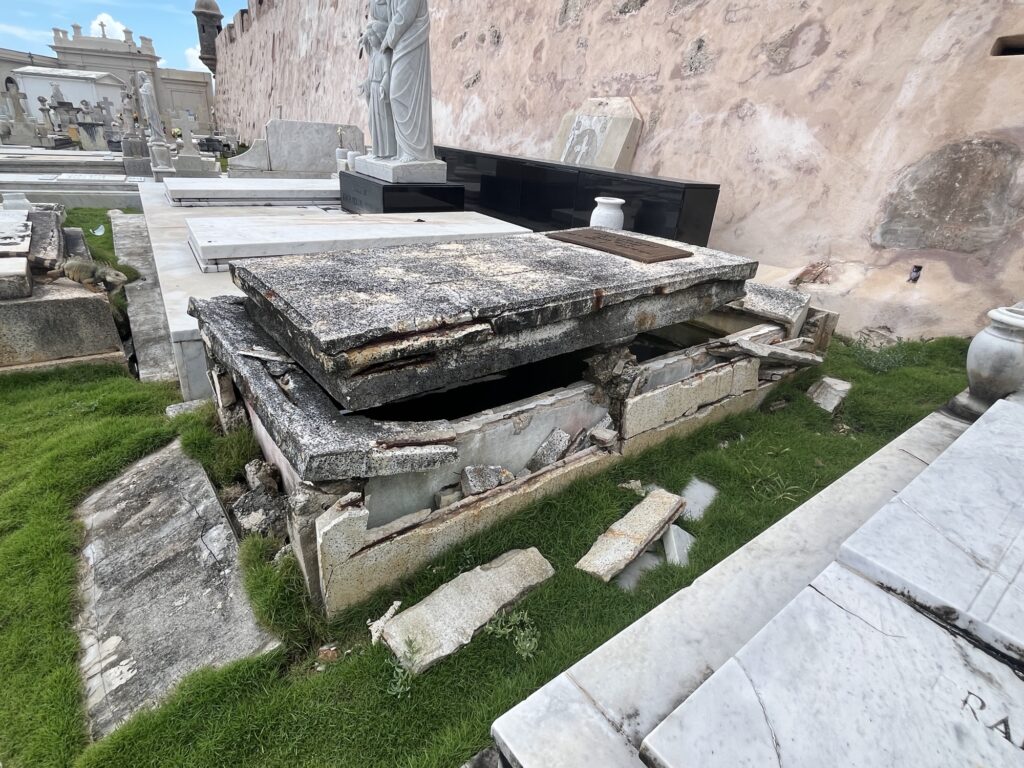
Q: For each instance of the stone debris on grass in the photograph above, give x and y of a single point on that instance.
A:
(449, 617)
(635, 486)
(623, 542)
(488, 758)
(677, 543)
(261, 513)
(260, 474)
(699, 495)
(189, 406)
(479, 478)
(377, 627)
(551, 450)
(829, 393)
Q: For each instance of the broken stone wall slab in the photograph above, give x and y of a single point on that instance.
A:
(623, 542)
(47, 250)
(57, 322)
(762, 303)
(15, 278)
(828, 393)
(161, 590)
(457, 311)
(661, 406)
(447, 619)
(388, 562)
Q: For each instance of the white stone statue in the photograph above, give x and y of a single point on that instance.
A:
(150, 109)
(376, 90)
(55, 94)
(408, 38)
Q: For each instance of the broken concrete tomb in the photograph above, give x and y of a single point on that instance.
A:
(413, 396)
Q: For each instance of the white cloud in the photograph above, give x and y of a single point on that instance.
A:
(161, 62)
(114, 28)
(192, 60)
(26, 34)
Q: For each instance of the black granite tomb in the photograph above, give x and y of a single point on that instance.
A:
(365, 194)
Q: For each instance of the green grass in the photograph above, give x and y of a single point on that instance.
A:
(278, 710)
(61, 434)
(100, 246)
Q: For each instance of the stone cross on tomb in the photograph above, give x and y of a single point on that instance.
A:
(103, 29)
(106, 111)
(184, 123)
(13, 97)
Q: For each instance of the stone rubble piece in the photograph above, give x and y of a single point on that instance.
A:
(260, 474)
(677, 543)
(15, 278)
(551, 450)
(377, 627)
(190, 406)
(635, 486)
(828, 393)
(605, 438)
(779, 305)
(480, 478)
(451, 615)
(627, 537)
(260, 512)
(699, 495)
(776, 374)
(766, 352)
(448, 496)
(340, 532)
(632, 573)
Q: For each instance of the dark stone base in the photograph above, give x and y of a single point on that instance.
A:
(365, 194)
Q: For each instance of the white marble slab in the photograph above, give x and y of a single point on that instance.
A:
(244, 192)
(91, 177)
(216, 241)
(953, 540)
(849, 675)
(636, 679)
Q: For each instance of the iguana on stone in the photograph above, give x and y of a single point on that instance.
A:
(93, 275)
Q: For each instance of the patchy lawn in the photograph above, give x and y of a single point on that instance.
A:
(62, 434)
(100, 246)
(278, 710)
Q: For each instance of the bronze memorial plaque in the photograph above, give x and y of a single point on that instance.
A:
(621, 245)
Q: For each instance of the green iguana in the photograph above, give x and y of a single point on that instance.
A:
(93, 275)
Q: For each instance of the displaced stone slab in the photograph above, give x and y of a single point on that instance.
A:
(551, 450)
(478, 478)
(623, 542)
(603, 132)
(677, 543)
(448, 618)
(611, 699)
(828, 393)
(775, 304)
(47, 249)
(901, 691)
(15, 278)
(661, 406)
(161, 589)
(58, 321)
(952, 541)
(770, 353)
(378, 324)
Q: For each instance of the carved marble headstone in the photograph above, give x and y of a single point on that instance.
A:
(159, 151)
(400, 73)
(603, 133)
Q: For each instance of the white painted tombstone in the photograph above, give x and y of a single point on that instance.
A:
(603, 133)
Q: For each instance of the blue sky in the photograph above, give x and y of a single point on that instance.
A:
(27, 26)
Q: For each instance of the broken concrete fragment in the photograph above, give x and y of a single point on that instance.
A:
(828, 393)
(340, 532)
(628, 537)
(176, 409)
(604, 438)
(771, 302)
(632, 573)
(677, 543)
(480, 478)
(260, 474)
(377, 627)
(447, 496)
(261, 513)
(47, 249)
(801, 344)
(635, 486)
(451, 615)
(15, 278)
(699, 495)
(771, 352)
(551, 450)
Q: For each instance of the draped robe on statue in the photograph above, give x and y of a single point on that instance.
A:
(409, 37)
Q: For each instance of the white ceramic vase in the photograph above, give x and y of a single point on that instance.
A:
(608, 213)
(995, 359)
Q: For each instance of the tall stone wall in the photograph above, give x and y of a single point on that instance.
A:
(867, 135)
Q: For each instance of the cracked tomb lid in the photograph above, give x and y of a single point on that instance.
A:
(345, 300)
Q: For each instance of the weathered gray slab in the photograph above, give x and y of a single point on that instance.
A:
(47, 249)
(161, 590)
(627, 537)
(378, 324)
(953, 540)
(775, 304)
(151, 336)
(309, 147)
(252, 191)
(58, 321)
(15, 278)
(319, 441)
(600, 709)
(828, 393)
(448, 618)
(848, 675)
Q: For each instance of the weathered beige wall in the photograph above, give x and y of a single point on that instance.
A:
(819, 121)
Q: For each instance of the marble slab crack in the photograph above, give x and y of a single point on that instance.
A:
(942, 533)
(616, 726)
(764, 710)
(854, 615)
(1015, 546)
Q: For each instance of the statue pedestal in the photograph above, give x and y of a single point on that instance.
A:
(390, 170)
(365, 194)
